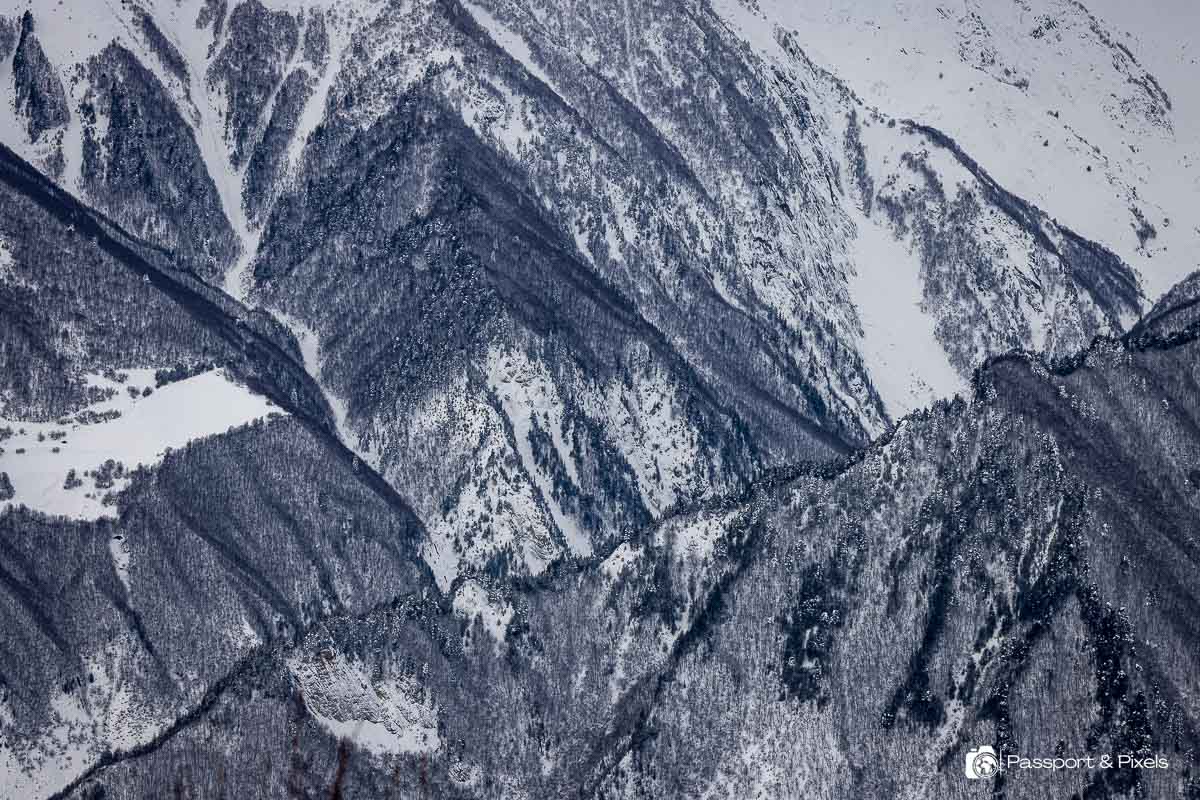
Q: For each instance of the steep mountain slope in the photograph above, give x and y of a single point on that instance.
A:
(257, 546)
(616, 399)
(556, 267)
(72, 308)
(116, 629)
(1084, 109)
(501, 273)
(1030, 549)
(1016, 569)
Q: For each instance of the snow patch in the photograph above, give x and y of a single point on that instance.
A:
(624, 554)
(118, 550)
(9, 276)
(39, 455)
(653, 435)
(696, 538)
(472, 601)
(907, 364)
(507, 39)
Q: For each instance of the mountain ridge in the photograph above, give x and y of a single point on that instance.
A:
(613, 401)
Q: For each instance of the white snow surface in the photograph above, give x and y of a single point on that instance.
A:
(650, 428)
(178, 413)
(449, 434)
(1036, 91)
(624, 554)
(472, 601)
(908, 365)
(9, 275)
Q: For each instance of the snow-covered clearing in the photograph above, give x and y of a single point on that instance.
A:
(38, 456)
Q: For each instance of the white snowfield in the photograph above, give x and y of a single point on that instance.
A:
(1061, 102)
(472, 601)
(908, 365)
(148, 426)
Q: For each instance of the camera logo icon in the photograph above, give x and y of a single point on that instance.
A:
(982, 762)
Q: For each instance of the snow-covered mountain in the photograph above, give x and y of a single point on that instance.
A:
(1087, 112)
(522, 283)
(701, 192)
